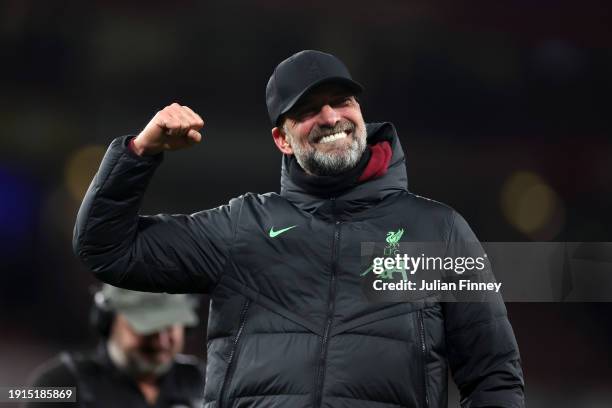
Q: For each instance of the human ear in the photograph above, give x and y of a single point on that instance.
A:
(280, 140)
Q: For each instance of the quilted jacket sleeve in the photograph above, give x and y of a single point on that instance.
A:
(161, 253)
(482, 350)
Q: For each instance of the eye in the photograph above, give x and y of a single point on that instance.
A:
(340, 102)
(305, 112)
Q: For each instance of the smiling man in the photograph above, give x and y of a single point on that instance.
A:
(325, 131)
(289, 325)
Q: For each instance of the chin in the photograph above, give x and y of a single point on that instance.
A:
(163, 359)
(337, 148)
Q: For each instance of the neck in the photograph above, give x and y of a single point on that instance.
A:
(149, 389)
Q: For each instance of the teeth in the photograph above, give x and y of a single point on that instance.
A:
(333, 138)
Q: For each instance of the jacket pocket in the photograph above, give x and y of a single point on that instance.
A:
(233, 356)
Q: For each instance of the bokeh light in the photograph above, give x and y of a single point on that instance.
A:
(80, 169)
(532, 206)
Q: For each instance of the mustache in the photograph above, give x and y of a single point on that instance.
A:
(317, 133)
(151, 351)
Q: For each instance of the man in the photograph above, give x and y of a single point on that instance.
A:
(137, 363)
(289, 326)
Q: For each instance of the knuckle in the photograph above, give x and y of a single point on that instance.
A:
(160, 115)
(160, 118)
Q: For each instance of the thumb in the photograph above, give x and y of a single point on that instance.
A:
(194, 136)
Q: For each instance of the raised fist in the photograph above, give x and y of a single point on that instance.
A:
(174, 127)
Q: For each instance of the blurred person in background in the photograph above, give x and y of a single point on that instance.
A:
(137, 363)
(289, 325)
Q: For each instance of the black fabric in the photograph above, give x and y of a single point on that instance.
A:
(100, 384)
(289, 325)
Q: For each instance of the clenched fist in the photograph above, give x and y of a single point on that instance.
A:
(174, 127)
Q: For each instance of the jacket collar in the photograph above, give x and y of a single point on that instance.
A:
(355, 197)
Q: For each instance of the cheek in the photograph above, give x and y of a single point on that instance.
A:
(126, 340)
(178, 337)
(302, 131)
(352, 113)
(356, 118)
(129, 344)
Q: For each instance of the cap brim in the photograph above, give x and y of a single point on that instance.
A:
(354, 86)
(146, 321)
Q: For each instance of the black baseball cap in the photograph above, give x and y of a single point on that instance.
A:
(299, 74)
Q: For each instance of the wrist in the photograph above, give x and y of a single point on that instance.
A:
(136, 146)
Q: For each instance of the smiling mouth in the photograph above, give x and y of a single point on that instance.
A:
(333, 137)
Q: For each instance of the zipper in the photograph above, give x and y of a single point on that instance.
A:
(233, 354)
(421, 328)
(318, 396)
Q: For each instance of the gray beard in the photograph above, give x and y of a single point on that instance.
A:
(329, 164)
(134, 365)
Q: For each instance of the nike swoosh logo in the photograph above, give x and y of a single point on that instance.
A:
(280, 231)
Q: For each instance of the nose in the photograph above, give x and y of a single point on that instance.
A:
(163, 339)
(328, 116)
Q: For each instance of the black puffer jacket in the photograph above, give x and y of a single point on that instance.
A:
(289, 326)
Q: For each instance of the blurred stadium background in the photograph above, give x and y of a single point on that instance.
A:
(503, 109)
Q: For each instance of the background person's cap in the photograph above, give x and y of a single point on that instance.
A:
(300, 73)
(150, 312)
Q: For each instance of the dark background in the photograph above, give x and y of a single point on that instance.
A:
(502, 107)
